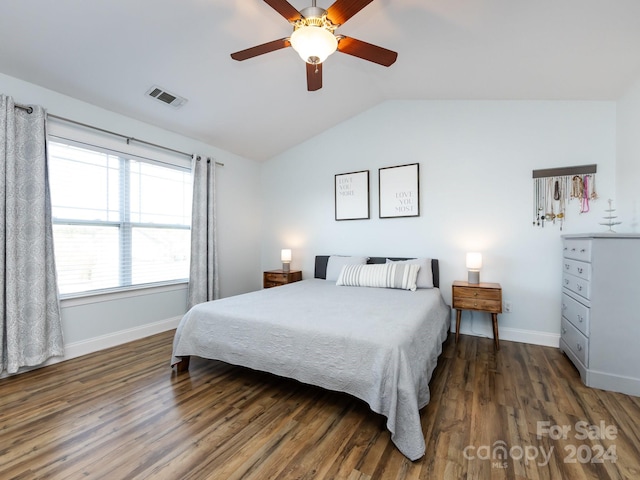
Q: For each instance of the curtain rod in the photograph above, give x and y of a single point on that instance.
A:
(129, 139)
(29, 109)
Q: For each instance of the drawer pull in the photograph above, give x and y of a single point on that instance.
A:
(579, 347)
(564, 306)
(475, 304)
(564, 330)
(475, 294)
(580, 319)
(582, 250)
(573, 249)
(566, 281)
(567, 266)
(579, 288)
(579, 269)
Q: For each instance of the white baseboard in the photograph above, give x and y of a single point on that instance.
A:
(614, 383)
(517, 335)
(530, 336)
(91, 345)
(95, 344)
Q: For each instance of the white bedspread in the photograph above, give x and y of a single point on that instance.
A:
(377, 344)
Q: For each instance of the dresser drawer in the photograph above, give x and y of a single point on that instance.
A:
(493, 306)
(576, 268)
(275, 277)
(575, 340)
(577, 285)
(472, 292)
(576, 313)
(577, 249)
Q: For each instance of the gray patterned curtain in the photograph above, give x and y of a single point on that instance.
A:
(203, 273)
(30, 328)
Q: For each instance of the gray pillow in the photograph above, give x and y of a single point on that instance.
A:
(425, 275)
(383, 275)
(336, 262)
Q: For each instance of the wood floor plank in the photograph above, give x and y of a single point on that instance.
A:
(124, 414)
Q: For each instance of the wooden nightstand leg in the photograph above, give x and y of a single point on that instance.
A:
(496, 340)
(458, 315)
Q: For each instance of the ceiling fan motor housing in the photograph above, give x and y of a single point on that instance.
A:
(313, 15)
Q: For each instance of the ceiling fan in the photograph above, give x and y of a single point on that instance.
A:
(314, 37)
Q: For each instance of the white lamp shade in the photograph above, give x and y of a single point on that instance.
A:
(474, 261)
(313, 44)
(285, 255)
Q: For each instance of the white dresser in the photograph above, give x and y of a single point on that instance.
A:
(600, 325)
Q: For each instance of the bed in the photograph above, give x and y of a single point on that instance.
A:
(380, 345)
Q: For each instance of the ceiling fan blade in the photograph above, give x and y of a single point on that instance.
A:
(367, 51)
(343, 10)
(285, 9)
(314, 77)
(261, 49)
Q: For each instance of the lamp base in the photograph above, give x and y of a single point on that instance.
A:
(286, 267)
(474, 277)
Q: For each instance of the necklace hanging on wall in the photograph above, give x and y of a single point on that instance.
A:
(584, 206)
(537, 199)
(593, 195)
(553, 188)
(550, 213)
(534, 203)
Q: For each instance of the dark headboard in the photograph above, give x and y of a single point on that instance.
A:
(322, 260)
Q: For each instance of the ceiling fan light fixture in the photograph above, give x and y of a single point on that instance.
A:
(313, 43)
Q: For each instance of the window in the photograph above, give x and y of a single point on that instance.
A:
(118, 221)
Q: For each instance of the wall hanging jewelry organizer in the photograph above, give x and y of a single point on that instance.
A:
(554, 188)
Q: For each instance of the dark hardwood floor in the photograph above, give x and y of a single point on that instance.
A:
(124, 414)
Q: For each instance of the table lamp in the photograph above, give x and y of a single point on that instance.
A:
(285, 256)
(474, 264)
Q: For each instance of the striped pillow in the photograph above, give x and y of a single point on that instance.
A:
(425, 275)
(386, 275)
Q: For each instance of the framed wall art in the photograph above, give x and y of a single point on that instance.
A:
(399, 189)
(352, 195)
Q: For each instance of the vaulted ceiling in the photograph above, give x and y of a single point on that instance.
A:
(110, 52)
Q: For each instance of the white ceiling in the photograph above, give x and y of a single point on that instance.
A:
(109, 52)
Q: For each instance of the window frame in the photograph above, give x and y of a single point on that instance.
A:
(125, 225)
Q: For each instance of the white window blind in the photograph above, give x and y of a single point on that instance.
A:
(119, 221)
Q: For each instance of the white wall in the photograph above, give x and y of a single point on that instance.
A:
(627, 202)
(93, 323)
(476, 160)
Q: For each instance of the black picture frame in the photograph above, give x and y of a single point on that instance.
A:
(399, 191)
(352, 196)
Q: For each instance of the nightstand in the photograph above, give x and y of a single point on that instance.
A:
(482, 297)
(275, 278)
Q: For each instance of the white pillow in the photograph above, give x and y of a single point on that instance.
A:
(336, 262)
(383, 275)
(425, 275)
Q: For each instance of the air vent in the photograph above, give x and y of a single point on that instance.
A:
(165, 97)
